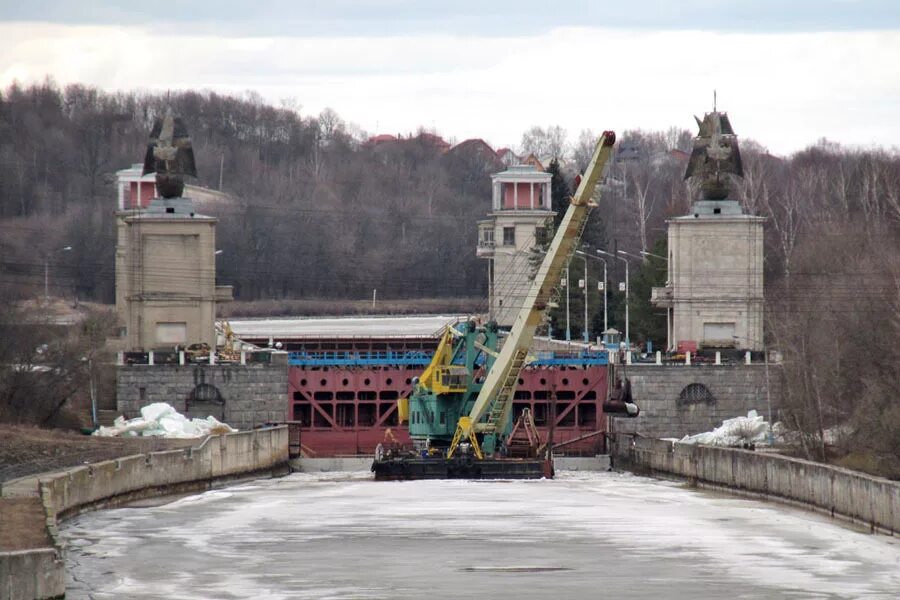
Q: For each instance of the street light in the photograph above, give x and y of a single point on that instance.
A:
(584, 330)
(645, 253)
(605, 286)
(668, 309)
(568, 329)
(766, 362)
(47, 270)
(627, 289)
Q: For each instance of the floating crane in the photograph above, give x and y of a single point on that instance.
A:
(460, 408)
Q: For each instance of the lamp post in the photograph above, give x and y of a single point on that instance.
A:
(668, 309)
(768, 394)
(584, 330)
(627, 288)
(568, 329)
(605, 286)
(47, 270)
(645, 253)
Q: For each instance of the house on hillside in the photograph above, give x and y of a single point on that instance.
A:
(477, 148)
(509, 157)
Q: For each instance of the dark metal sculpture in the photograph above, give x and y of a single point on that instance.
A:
(170, 156)
(715, 157)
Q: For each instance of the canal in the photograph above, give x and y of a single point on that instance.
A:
(600, 535)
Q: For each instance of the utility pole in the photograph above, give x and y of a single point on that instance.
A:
(47, 271)
(568, 330)
(585, 302)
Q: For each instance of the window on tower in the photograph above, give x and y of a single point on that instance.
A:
(509, 236)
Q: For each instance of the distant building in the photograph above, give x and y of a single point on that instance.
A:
(521, 212)
(508, 157)
(135, 191)
(714, 295)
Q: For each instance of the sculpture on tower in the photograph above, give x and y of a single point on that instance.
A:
(169, 155)
(715, 158)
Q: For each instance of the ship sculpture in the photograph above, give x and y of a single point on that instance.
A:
(715, 157)
(169, 155)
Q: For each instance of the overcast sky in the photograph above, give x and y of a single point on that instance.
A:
(788, 71)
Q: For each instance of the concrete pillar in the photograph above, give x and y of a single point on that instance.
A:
(515, 196)
(212, 357)
(658, 357)
(628, 357)
(181, 357)
(718, 357)
(747, 357)
(120, 358)
(243, 357)
(687, 358)
(531, 188)
(150, 358)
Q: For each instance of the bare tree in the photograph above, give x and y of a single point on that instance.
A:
(545, 143)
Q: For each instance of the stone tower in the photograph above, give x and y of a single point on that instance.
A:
(521, 211)
(166, 289)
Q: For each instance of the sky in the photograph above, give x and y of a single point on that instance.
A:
(788, 72)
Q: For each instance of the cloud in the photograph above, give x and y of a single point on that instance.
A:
(784, 89)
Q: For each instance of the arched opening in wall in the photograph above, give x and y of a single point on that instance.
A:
(205, 400)
(694, 394)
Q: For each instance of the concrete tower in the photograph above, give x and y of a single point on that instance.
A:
(520, 214)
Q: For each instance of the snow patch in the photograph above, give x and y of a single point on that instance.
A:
(162, 420)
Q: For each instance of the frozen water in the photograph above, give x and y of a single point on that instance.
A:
(583, 535)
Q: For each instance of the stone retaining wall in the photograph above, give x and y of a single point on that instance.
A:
(244, 396)
(28, 574)
(861, 498)
(39, 573)
(673, 403)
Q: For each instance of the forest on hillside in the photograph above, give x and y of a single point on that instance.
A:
(319, 212)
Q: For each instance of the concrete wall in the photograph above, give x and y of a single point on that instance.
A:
(343, 463)
(861, 498)
(218, 456)
(253, 394)
(668, 409)
(40, 573)
(29, 574)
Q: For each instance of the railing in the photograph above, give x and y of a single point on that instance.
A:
(351, 358)
(423, 358)
(389, 357)
(571, 358)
